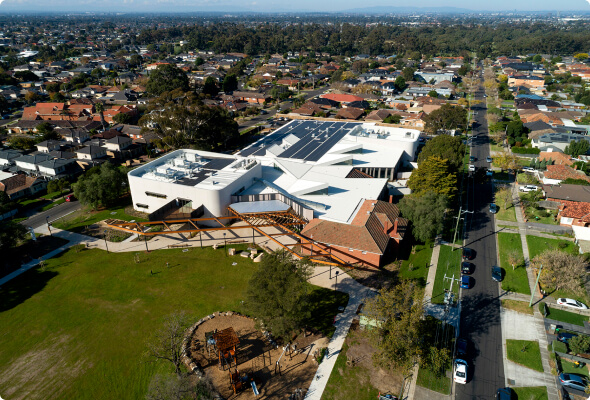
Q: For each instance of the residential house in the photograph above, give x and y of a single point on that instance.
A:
(252, 97)
(47, 146)
(8, 156)
(55, 168)
(91, 153)
(21, 185)
(30, 163)
(350, 113)
(555, 174)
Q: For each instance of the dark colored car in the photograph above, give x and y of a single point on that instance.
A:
(565, 336)
(465, 282)
(461, 347)
(573, 381)
(468, 254)
(504, 394)
(472, 158)
(493, 208)
(467, 267)
(497, 273)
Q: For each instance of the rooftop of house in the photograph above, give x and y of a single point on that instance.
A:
(575, 209)
(567, 192)
(563, 172)
(558, 157)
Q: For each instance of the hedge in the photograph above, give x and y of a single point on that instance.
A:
(525, 150)
(543, 309)
(559, 346)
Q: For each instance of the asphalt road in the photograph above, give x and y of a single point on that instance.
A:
(39, 219)
(480, 305)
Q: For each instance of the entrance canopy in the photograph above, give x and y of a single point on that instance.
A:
(250, 207)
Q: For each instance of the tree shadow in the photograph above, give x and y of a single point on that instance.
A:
(23, 287)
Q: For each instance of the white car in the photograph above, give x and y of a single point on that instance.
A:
(528, 169)
(471, 168)
(572, 303)
(529, 188)
(460, 373)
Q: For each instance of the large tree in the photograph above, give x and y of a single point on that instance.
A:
(444, 119)
(11, 233)
(446, 147)
(434, 174)
(182, 120)
(562, 271)
(278, 294)
(426, 212)
(575, 148)
(100, 186)
(165, 78)
(166, 342)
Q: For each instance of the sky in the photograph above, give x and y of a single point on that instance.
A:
(277, 5)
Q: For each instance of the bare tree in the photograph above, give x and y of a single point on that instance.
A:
(562, 270)
(170, 387)
(504, 195)
(166, 343)
(514, 258)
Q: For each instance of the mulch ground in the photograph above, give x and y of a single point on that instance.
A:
(257, 358)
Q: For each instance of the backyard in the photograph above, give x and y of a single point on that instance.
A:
(83, 321)
(515, 279)
(539, 244)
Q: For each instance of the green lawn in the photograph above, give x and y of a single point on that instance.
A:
(531, 393)
(420, 262)
(566, 316)
(53, 195)
(518, 306)
(52, 204)
(349, 383)
(567, 367)
(539, 244)
(540, 215)
(514, 280)
(449, 263)
(427, 379)
(79, 220)
(83, 322)
(505, 214)
(525, 352)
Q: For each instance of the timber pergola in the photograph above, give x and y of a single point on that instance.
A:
(285, 221)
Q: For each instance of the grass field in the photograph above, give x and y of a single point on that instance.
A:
(505, 214)
(77, 221)
(519, 306)
(449, 263)
(530, 357)
(531, 393)
(420, 262)
(566, 316)
(514, 280)
(567, 367)
(539, 244)
(82, 323)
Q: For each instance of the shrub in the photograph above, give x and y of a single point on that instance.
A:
(559, 347)
(579, 344)
(525, 150)
(562, 245)
(543, 309)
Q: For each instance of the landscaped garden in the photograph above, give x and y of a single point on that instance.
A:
(80, 324)
(515, 278)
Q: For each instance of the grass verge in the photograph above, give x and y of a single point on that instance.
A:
(567, 317)
(515, 280)
(449, 264)
(417, 264)
(531, 393)
(518, 306)
(525, 353)
(538, 244)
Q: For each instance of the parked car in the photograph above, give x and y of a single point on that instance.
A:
(465, 282)
(471, 168)
(466, 267)
(490, 172)
(565, 337)
(460, 374)
(497, 273)
(461, 347)
(528, 170)
(472, 158)
(529, 188)
(489, 159)
(504, 394)
(467, 254)
(493, 208)
(70, 197)
(572, 303)
(573, 381)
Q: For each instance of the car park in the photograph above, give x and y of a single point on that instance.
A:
(467, 254)
(572, 303)
(504, 394)
(493, 208)
(471, 168)
(460, 373)
(573, 381)
(489, 159)
(528, 188)
(497, 273)
(565, 337)
(466, 282)
(467, 267)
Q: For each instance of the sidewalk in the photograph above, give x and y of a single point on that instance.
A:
(357, 293)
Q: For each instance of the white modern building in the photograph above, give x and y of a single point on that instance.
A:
(322, 169)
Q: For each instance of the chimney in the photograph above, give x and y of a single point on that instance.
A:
(395, 227)
(391, 198)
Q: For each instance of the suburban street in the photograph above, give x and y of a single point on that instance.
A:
(38, 219)
(480, 305)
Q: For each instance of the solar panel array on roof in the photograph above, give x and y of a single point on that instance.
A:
(316, 138)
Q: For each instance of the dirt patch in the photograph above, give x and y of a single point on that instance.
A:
(384, 277)
(257, 358)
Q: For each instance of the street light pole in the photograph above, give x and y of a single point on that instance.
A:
(224, 244)
(48, 226)
(105, 240)
(536, 284)
(146, 246)
(336, 285)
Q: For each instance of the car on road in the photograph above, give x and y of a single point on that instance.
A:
(472, 158)
(489, 159)
(504, 394)
(461, 347)
(467, 267)
(471, 168)
(467, 254)
(565, 337)
(70, 197)
(528, 188)
(572, 303)
(573, 381)
(466, 282)
(460, 374)
(528, 170)
(497, 273)
(490, 172)
(493, 208)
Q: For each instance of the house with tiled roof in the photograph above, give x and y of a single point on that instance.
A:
(350, 113)
(574, 213)
(21, 185)
(557, 157)
(564, 192)
(371, 239)
(557, 173)
(342, 98)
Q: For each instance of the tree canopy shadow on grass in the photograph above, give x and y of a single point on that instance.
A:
(23, 287)
(324, 305)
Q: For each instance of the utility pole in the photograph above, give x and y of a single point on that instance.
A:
(457, 227)
(536, 284)
(449, 295)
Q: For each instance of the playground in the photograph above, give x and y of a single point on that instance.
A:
(234, 354)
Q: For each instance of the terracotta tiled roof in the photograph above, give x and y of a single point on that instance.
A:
(350, 113)
(557, 157)
(563, 172)
(342, 98)
(575, 209)
(16, 183)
